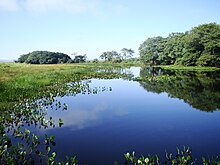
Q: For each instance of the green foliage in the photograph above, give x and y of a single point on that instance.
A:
(200, 46)
(200, 89)
(18, 145)
(115, 57)
(182, 157)
(208, 60)
(79, 58)
(127, 53)
(95, 60)
(150, 50)
(44, 57)
(25, 81)
(109, 56)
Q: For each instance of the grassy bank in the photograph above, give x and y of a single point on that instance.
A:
(18, 81)
(189, 68)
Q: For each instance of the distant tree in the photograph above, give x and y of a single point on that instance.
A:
(130, 53)
(111, 56)
(95, 60)
(127, 53)
(44, 57)
(104, 56)
(80, 58)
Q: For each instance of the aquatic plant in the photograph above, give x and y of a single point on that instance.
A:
(181, 157)
(20, 145)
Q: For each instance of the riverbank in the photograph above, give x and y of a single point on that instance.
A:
(189, 68)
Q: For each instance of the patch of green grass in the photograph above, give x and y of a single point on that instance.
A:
(189, 68)
(19, 81)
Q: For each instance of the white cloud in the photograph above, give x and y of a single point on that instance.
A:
(8, 5)
(39, 6)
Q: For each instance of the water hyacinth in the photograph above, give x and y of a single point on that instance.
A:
(34, 112)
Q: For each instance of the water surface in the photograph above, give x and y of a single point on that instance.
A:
(149, 117)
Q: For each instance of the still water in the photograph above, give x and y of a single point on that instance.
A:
(148, 117)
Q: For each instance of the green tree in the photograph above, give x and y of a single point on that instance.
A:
(80, 58)
(127, 53)
(110, 56)
(104, 56)
(22, 58)
(199, 46)
(150, 50)
(44, 57)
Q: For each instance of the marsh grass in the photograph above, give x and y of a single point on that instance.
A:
(189, 68)
(19, 81)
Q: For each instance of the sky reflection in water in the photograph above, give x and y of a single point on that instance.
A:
(100, 128)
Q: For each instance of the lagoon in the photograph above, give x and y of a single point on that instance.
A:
(163, 111)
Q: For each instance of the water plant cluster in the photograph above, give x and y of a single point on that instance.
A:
(24, 81)
(20, 145)
(33, 96)
(181, 157)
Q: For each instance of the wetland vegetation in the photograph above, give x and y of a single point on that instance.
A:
(27, 91)
(30, 94)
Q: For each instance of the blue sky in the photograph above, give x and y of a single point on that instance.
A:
(94, 26)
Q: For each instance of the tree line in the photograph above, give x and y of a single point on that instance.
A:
(46, 57)
(198, 47)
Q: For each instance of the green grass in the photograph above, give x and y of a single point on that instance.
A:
(189, 68)
(19, 81)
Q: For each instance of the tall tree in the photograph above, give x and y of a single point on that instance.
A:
(130, 53)
(127, 53)
(104, 56)
(150, 50)
(109, 55)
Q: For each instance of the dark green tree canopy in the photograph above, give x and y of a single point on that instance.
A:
(79, 58)
(44, 57)
(198, 47)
